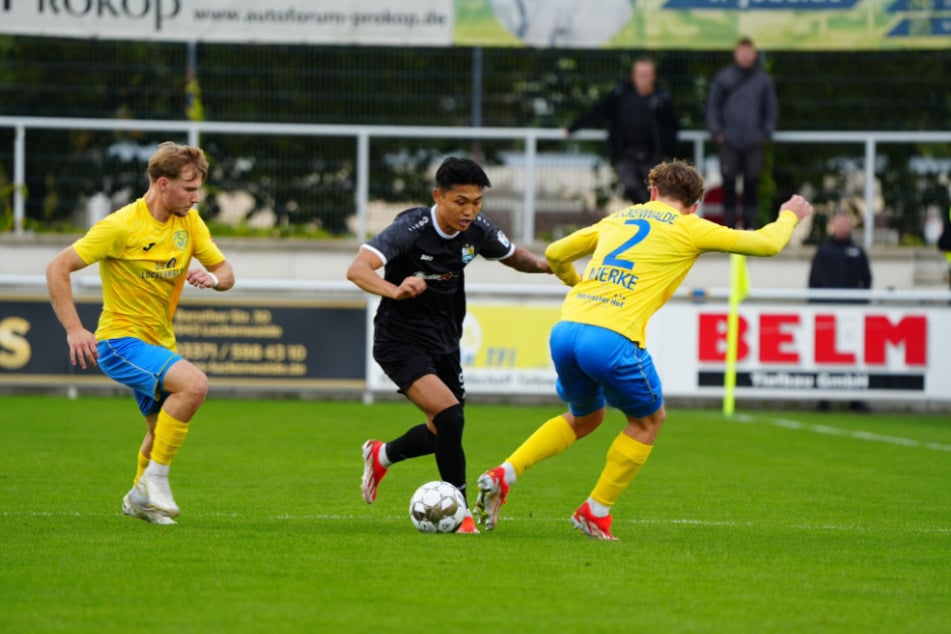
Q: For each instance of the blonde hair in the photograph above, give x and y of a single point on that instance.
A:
(171, 158)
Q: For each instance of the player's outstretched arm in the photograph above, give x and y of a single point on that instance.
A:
(798, 205)
(527, 262)
(765, 241)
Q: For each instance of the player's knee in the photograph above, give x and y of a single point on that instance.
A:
(197, 385)
(193, 386)
(200, 387)
(449, 423)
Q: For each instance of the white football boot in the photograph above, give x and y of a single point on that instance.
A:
(136, 504)
(158, 494)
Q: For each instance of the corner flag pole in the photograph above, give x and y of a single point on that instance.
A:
(739, 287)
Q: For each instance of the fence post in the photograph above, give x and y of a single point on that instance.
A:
(869, 192)
(527, 233)
(19, 179)
(363, 185)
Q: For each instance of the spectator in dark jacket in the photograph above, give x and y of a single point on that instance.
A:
(642, 127)
(840, 262)
(742, 113)
(944, 242)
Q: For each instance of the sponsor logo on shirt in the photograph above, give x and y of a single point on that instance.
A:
(434, 276)
(422, 222)
(164, 271)
(504, 239)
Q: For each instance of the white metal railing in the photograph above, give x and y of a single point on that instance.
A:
(36, 284)
(363, 134)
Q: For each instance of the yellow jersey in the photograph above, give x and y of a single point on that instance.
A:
(142, 264)
(641, 254)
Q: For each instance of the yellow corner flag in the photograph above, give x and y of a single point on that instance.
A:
(739, 287)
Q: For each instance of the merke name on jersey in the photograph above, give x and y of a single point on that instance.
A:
(613, 275)
(820, 338)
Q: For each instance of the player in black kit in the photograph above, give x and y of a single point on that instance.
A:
(418, 325)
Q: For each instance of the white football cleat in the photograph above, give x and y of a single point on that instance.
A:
(373, 471)
(158, 494)
(492, 492)
(135, 504)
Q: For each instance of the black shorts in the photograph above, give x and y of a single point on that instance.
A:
(407, 363)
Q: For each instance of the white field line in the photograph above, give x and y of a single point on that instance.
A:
(699, 523)
(788, 423)
(785, 423)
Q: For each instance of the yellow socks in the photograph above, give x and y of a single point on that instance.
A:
(553, 437)
(625, 458)
(142, 464)
(169, 435)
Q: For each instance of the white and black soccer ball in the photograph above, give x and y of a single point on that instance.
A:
(437, 507)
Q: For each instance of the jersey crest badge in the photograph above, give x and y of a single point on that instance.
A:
(180, 239)
(468, 253)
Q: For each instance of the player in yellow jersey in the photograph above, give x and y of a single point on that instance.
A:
(144, 251)
(639, 256)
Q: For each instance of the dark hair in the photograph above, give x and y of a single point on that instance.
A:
(171, 158)
(678, 180)
(459, 171)
(745, 41)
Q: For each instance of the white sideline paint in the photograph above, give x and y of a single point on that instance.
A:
(788, 423)
(700, 523)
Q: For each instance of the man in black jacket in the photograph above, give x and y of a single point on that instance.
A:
(840, 262)
(944, 242)
(742, 113)
(642, 127)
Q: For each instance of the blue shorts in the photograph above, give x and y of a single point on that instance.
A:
(140, 366)
(596, 365)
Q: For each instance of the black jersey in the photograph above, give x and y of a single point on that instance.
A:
(414, 245)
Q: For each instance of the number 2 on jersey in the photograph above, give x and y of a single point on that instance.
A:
(613, 258)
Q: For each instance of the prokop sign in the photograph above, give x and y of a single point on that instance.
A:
(362, 22)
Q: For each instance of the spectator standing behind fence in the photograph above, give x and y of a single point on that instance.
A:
(840, 262)
(944, 242)
(642, 127)
(742, 113)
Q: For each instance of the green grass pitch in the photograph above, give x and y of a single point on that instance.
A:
(765, 522)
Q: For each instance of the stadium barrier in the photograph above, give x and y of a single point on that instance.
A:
(311, 337)
(363, 135)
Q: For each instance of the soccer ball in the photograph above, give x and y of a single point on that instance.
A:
(437, 507)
